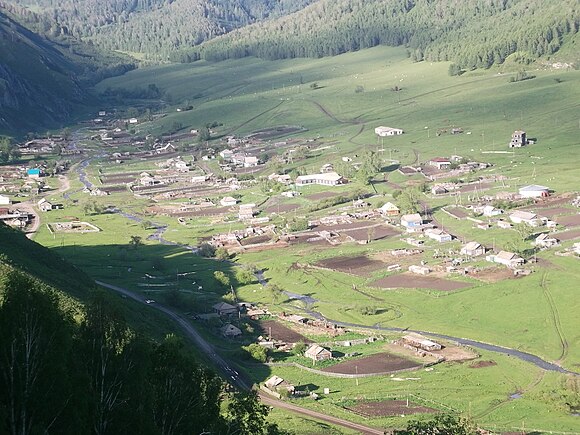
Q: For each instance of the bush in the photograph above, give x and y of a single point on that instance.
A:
(206, 250)
(256, 352)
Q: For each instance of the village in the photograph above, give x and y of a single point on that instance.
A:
(441, 226)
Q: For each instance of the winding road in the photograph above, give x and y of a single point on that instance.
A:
(230, 373)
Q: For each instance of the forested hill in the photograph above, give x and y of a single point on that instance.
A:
(43, 80)
(472, 33)
(74, 365)
(156, 28)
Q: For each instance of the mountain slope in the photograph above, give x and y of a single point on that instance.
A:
(156, 28)
(473, 33)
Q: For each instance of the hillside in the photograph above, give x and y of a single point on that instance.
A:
(472, 33)
(156, 28)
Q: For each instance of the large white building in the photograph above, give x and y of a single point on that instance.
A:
(388, 131)
(326, 179)
(534, 191)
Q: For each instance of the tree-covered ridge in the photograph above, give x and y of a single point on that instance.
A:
(155, 27)
(473, 33)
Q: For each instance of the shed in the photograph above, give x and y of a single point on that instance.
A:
(230, 331)
(228, 201)
(439, 235)
(420, 342)
(276, 383)
(318, 353)
(411, 220)
(225, 309)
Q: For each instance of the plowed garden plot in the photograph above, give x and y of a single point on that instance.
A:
(569, 221)
(408, 280)
(493, 274)
(280, 332)
(255, 240)
(457, 212)
(282, 208)
(482, 364)
(568, 235)
(361, 265)
(473, 187)
(389, 408)
(370, 233)
(209, 211)
(305, 238)
(551, 212)
(378, 363)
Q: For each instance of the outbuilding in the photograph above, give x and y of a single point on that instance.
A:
(534, 191)
(317, 353)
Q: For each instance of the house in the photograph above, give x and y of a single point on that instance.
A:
(438, 235)
(506, 258)
(230, 331)
(33, 173)
(284, 178)
(5, 200)
(317, 353)
(440, 163)
(44, 205)
(297, 319)
(199, 179)
(472, 249)
(525, 217)
(326, 168)
(226, 155)
(388, 131)
(534, 191)
(419, 342)
(438, 189)
(490, 210)
(327, 179)
(250, 161)
(290, 194)
(518, 139)
(228, 201)
(246, 211)
(411, 221)
(133, 120)
(276, 383)
(544, 240)
(504, 224)
(389, 209)
(225, 309)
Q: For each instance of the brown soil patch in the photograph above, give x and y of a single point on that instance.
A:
(569, 221)
(493, 274)
(255, 240)
(389, 408)
(551, 212)
(361, 265)
(568, 235)
(282, 208)
(474, 187)
(372, 233)
(378, 363)
(408, 280)
(482, 364)
(321, 195)
(455, 353)
(281, 332)
(457, 212)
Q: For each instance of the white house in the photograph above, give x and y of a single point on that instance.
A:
(439, 235)
(526, 217)
(388, 131)
(544, 240)
(490, 210)
(389, 209)
(317, 353)
(534, 191)
(5, 200)
(411, 221)
(327, 179)
(472, 249)
(440, 162)
(506, 258)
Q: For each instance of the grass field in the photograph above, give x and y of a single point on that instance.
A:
(339, 101)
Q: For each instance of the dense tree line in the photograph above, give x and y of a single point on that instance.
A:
(154, 27)
(65, 368)
(473, 33)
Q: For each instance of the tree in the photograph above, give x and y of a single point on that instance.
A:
(455, 70)
(257, 352)
(443, 424)
(408, 200)
(524, 230)
(245, 275)
(206, 250)
(276, 292)
(222, 254)
(136, 241)
(222, 278)
(371, 165)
